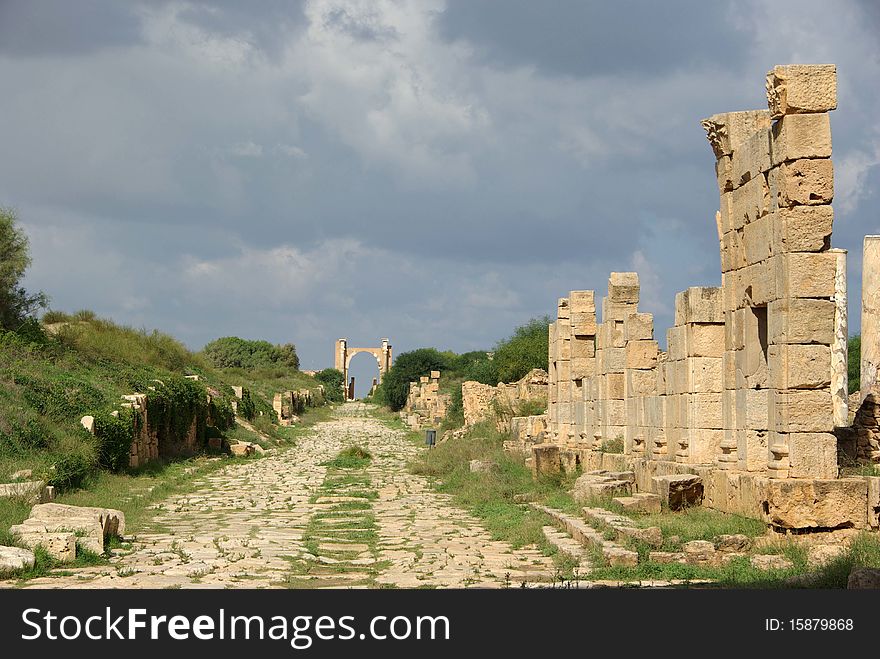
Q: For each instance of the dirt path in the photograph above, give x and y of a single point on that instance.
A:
(288, 520)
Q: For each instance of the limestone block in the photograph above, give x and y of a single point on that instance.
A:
(752, 408)
(728, 370)
(615, 385)
(435, 375)
(704, 375)
(805, 275)
(873, 501)
(724, 173)
(615, 360)
(699, 304)
(794, 320)
(704, 445)
(757, 238)
(641, 383)
(583, 348)
(727, 131)
(617, 311)
(802, 410)
(812, 455)
(799, 366)
(751, 446)
(814, 503)
(88, 422)
(643, 502)
(582, 368)
(733, 254)
(752, 200)
(725, 212)
(583, 324)
(736, 542)
(802, 229)
(15, 558)
(676, 342)
(704, 411)
(30, 491)
(582, 302)
(752, 158)
(60, 545)
(545, 459)
(705, 340)
(623, 287)
(801, 88)
(761, 285)
(615, 411)
(807, 181)
(638, 326)
(679, 491)
(641, 354)
(611, 334)
(562, 309)
(112, 521)
(799, 136)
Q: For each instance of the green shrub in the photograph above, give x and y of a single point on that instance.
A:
(77, 460)
(408, 367)
(853, 366)
(233, 352)
(333, 381)
(525, 350)
(16, 304)
(115, 435)
(353, 457)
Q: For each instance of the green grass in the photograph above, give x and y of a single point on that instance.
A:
(353, 457)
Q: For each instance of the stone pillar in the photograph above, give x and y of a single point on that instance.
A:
(552, 384)
(870, 360)
(839, 379)
(582, 308)
(563, 371)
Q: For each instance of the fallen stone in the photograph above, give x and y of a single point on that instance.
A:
(639, 503)
(30, 491)
(241, 449)
(59, 545)
(618, 556)
(112, 521)
(819, 555)
(15, 558)
(22, 474)
(667, 557)
(699, 552)
(679, 490)
(733, 543)
(771, 562)
(817, 504)
(481, 466)
(861, 578)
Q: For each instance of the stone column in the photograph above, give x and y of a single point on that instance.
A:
(870, 361)
(839, 379)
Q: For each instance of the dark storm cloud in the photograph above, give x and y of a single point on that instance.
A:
(579, 38)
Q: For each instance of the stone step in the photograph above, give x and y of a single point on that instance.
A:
(612, 553)
(567, 545)
(640, 502)
(679, 490)
(624, 527)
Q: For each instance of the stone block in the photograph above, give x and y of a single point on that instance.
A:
(799, 366)
(727, 131)
(799, 136)
(614, 360)
(616, 311)
(641, 354)
(583, 324)
(802, 229)
(435, 375)
(583, 348)
(582, 302)
(623, 287)
(676, 342)
(704, 411)
(704, 445)
(724, 173)
(88, 422)
(583, 368)
(753, 408)
(59, 545)
(800, 182)
(705, 340)
(751, 447)
(802, 410)
(863, 578)
(13, 559)
(638, 326)
(805, 275)
(736, 542)
(801, 89)
(873, 501)
(699, 304)
(641, 383)
(797, 320)
(642, 502)
(562, 309)
(679, 491)
(545, 460)
(816, 503)
(733, 254)
(812, 455)
(752, 158)
(756, 239)
(752, 200)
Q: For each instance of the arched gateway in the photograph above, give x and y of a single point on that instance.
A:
(344, 355)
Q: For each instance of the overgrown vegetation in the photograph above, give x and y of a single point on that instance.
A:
(353, 457)
(17, 306)
(853, 359)
(333, 381)
(233, 352)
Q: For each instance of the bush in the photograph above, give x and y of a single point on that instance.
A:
(408, 367)
(115, 435)
(233, 352)
(333, 381)
(525, 350)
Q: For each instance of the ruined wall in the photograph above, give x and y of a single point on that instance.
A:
(482, 402)
(289, 405)
(753, 383)
(425, 405)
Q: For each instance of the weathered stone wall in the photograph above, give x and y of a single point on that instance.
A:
(483, 402)
(753, 383)
(289, 405)
(425, 405)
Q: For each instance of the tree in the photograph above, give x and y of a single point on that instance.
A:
(854, 366)
(408, 367)
(16, 305)
(525, 350)
(333, 380)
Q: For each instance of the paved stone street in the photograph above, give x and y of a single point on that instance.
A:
(287, 520)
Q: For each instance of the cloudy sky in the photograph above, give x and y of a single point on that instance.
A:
(432, 171)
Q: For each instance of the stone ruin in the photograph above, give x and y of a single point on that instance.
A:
(483, 402)
(746, 402)
(289, 405)
(425, 405)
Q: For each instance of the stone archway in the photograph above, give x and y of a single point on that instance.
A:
(344, 355)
